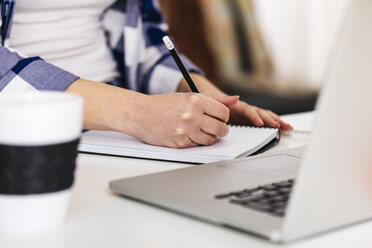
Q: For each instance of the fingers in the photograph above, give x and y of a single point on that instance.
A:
(273, 120)
(227, 100)
(211, 107)
(205, 132)
(193, 138)
(205, 119)
(213, 126)
(202, 138)
(267, 119)
(182, 120)
(252, 114)
(283, 125)
(263, 117)
(184, 141)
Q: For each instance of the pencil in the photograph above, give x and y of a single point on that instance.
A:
(172, 50)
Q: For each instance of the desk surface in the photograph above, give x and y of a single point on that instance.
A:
(98, 218)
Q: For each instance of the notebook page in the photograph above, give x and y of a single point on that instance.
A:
(239, 140)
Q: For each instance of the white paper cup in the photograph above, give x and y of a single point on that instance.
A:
(39, 134)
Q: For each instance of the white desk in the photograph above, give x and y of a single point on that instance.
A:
(98, 218)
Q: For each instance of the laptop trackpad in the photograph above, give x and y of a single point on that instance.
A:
(278, 164)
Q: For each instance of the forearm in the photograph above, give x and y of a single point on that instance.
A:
(106, 107)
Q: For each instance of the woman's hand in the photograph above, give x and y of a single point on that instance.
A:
(241, 113)
(181, 120)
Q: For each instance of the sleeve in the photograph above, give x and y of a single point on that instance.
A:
(149, 66)
(30, 74)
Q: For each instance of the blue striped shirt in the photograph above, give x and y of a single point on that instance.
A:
(143, 61)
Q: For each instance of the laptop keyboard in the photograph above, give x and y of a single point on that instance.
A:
(270, 198)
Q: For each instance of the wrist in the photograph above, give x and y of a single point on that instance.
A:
(108, 107)
(128, 112)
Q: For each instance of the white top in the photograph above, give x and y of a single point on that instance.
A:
(66, 33)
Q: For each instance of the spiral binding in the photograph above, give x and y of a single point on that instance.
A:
(244, 126)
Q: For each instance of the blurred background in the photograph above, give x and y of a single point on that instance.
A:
(273, 53)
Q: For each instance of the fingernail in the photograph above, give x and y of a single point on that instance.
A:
(236, 96)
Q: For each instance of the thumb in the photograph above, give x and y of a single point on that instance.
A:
(226, 100)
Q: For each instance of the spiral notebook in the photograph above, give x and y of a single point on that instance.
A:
(241, 141)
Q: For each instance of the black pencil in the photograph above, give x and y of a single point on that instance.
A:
(172, 50)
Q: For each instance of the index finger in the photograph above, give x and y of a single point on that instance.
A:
(283, 125)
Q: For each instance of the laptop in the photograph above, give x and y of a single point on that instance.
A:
(296, 193)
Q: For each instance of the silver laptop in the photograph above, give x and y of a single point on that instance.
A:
(291, 195)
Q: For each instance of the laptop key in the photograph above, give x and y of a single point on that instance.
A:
(243, 194)
(280, 205)
(278, 199)
(278, 212)
(223, 196)
(237, 194)
(283, 184)
(269, 187)
(249, 199)
(252, 190)
(237, 202)
(270, 193)
(259, 206)
(265, 201)
(285, 191)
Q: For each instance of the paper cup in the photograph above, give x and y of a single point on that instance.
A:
(39, 134)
